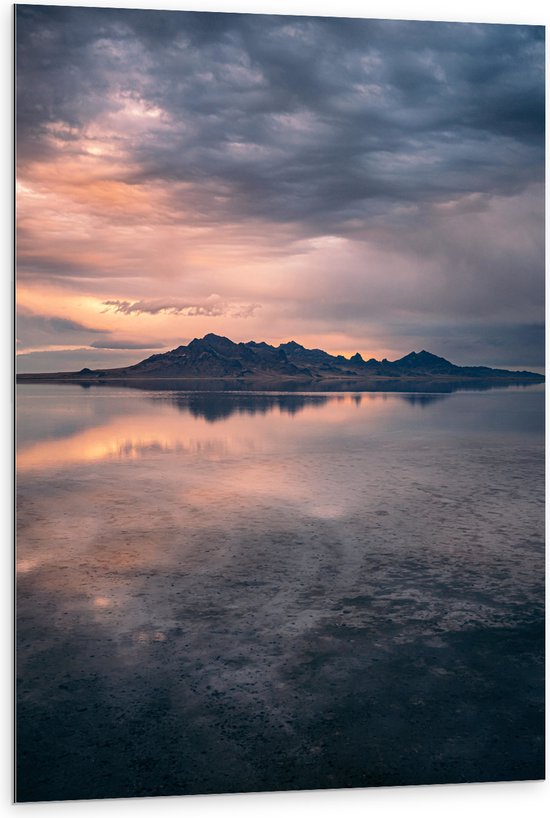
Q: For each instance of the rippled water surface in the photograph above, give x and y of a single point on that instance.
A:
(255, 591)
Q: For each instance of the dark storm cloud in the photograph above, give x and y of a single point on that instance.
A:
(325, 121)
(105, 343)
(45, 260)
(518, 346)
(36, 330)
(514, 346)
(67, 325)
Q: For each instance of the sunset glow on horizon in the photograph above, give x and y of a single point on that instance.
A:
(370, 186)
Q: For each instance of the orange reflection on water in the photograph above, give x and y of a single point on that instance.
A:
(128, 437)
(165, 428)
(107, 538)
(102, 602)
(26, 565)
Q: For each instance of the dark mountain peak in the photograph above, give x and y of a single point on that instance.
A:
(218, 343)
(216, 356)
(258, 345)
(212, 339)
(291, 345)
(425, 362)
(422, 357)
(413, 356)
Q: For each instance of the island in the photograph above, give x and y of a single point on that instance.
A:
(216, 357)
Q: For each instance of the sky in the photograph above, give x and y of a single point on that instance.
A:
(355, 185)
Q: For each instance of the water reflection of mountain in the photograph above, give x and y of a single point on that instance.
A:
(213, 406)
(216, 400)
(422, 400)
(218, 406)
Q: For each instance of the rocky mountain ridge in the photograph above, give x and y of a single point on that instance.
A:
(216, 356)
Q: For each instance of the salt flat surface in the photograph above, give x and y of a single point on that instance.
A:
(238, 592)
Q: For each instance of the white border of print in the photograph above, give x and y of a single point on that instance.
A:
(504, 799)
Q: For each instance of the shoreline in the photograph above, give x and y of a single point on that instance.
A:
(58, 377)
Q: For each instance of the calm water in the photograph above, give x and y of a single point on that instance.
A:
(259, 591)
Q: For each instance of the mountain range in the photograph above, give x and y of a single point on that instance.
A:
(215, 356)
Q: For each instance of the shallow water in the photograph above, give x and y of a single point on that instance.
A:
(225, 592)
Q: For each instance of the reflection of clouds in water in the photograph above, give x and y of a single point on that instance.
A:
(143, 431)
(128, 438)
(136, 510)
(181, 422)
(135, 449)
(247, 563)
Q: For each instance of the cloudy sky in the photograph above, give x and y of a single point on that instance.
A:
(371, 186)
